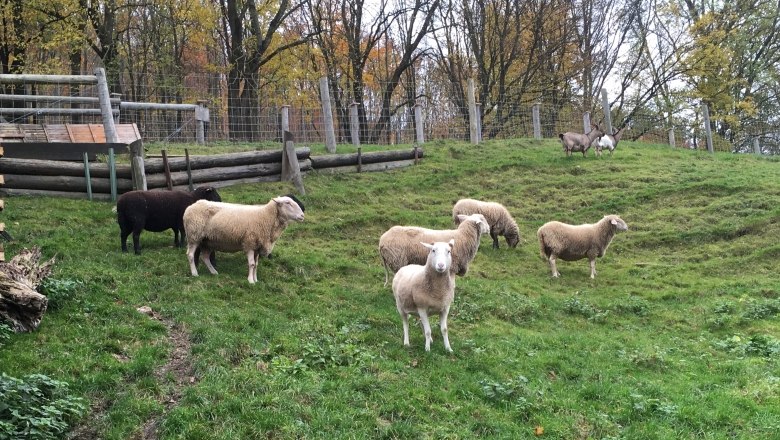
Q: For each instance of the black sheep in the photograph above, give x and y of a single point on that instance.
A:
(157, 211)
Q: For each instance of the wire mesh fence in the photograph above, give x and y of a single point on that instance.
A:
(259, 119)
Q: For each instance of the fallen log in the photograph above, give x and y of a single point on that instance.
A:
(203, 176)
(40, 167)
(154, 166)
(64, 183)
(340, 160)
(21, 306)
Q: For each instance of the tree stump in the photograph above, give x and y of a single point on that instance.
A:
(21, 306)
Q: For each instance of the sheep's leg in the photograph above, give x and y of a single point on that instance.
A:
(592, 268)
(252, 263)
(494, 236)
(205, 257)
(137, 240)
(426, 327)
(257, 264)
(405, 321)
(176, 242)
(443, 327)
(191, 248)
(387, 274)
(553, 266)
(123, 238)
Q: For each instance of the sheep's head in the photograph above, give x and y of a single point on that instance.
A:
(288, 209)
(440, 255)
(617, 222)
(479, 219)
(512, 239)
(207, 193)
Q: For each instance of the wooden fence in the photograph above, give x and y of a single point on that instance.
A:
(104, 180)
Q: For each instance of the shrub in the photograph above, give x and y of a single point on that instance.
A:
(36, 407)
(59, 291)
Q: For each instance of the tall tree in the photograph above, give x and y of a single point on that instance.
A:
(249, 30)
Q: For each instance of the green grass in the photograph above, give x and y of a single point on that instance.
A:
(677, 337)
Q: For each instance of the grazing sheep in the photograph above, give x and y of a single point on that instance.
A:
(578, 142)
(608, 141)
(230, 227)
(570, 242)
(399, 246)
(424, 290)
(157, 211)
(497, 216)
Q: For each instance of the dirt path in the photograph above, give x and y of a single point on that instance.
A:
(177, 373)
(174, 375)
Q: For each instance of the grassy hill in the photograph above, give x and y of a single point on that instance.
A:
(677, 337)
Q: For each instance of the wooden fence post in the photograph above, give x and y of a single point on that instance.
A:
(112, 173)
(607, 112)
(291, 169)
(105, 106)
(137, 165)
(472, 103)
(756, 146)
(285, 119)
(86, 176)
(478, 112)
(537, 122)
(586, 122)
(201, 117)
(116, 97)
(707, 128)
(167, 170)
(327, 116)
(354, 124)
(418, 123)
(671, 137)
(189, 169)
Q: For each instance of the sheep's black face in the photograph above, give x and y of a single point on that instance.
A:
(207, 193)
(512, 240)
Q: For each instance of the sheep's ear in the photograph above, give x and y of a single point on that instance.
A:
(451, 242)
(427, 245)
(462, 217)
(614, 222)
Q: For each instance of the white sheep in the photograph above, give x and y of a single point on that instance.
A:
(497, 216)
(609, 141)
(570, 242)
(579, 142)
(427, 290)
(399, 246)
(230, 227)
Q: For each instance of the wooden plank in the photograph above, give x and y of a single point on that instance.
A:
(58, 150)
(80, 133)
(33, 132)
(56, 133)
(98, 134)
(10, 132)
(127, 133)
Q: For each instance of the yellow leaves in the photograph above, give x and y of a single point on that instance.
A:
(538, 430)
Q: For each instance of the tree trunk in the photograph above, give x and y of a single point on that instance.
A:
(21, 306)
